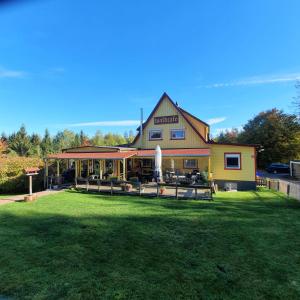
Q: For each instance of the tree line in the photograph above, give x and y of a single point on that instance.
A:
(23, 144)
(277, 134)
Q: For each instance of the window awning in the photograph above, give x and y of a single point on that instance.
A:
(175, 153)
(93, 155)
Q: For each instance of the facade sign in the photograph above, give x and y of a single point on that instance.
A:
(166, 120)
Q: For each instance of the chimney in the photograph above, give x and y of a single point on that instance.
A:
(141, 129)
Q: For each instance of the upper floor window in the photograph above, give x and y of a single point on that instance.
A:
(155, 134)
(232, 161)
(177, 134)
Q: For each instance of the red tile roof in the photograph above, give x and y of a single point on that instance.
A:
(31, 170)
(127, 154)
(176, 152)
(93, 155)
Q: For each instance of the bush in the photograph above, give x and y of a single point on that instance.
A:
(12, 177)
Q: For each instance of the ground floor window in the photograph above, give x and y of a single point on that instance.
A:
(190, 163)
(232, 161)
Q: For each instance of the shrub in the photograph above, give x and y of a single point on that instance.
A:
(12, 178)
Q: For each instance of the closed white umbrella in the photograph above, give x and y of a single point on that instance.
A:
(158, 161)
(172, 165)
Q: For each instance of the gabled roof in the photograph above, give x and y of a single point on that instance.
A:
(180, 112)
(194, 117)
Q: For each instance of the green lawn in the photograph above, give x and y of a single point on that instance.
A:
(71, 245)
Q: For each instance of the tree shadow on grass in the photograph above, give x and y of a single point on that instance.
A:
(99, 255)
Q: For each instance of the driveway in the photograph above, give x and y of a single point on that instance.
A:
(285, 177)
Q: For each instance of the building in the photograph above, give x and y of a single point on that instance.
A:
(295, 169)
(186, 146)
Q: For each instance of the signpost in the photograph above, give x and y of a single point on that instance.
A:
(30, 172)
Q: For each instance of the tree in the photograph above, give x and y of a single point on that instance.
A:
(84, 139)
(98, 139)
(63, 139)
(76, 140)
(296, 101)
(46, 144)
(20, 142)
(35, 141)
(228, 136)
(278, 133)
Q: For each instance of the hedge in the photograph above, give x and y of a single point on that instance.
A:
(12, 178)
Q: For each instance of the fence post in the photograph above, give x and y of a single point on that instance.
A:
(157, 189)
(196, 194)
(99, 184)
(176, 189)
(288, 189)
(278, 186)
(87, 185)
(140, 188)
(111, 187)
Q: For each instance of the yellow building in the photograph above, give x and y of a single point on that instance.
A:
(186, 148)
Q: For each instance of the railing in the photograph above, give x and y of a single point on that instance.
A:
(153, 189)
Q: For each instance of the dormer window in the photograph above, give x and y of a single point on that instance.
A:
(155, 134)
(177, 134)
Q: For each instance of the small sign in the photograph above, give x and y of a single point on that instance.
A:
(166, 120)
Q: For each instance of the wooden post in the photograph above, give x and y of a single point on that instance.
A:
(100, 169)
(196, 193)
(157, 189)
(176, 191)
(99, 184)
(140, 188)
(57, 172)
(209, 169)
(124, 169)
(30, 185)
(87, 184)
(111, 187)
(76, 172)
(46, 173)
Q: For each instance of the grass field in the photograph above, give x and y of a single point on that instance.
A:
(71, 245)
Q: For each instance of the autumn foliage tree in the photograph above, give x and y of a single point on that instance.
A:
(278, 134)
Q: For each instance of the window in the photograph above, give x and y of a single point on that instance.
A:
(190, 163)
(177, 134)
(232, 161)
(155, 134)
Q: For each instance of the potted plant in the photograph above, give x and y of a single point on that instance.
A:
(128, 187)
(162, 190)
(123, 187)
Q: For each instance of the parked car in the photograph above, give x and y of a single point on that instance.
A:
(278, 168)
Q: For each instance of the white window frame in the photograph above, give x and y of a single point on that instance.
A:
(192, 167)
(155, 139)
(177, 129)
(232, 155)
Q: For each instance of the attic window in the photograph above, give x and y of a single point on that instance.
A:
(155, 134)
(177, 134)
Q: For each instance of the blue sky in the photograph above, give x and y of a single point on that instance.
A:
(66, 62)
